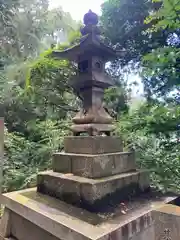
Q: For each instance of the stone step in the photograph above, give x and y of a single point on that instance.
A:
(94, 166)
(92, 194)
(93, 144)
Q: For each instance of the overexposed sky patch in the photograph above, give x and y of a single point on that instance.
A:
(77, 8)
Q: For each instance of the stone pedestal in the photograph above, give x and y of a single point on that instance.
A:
(94, 192)
(98, 176)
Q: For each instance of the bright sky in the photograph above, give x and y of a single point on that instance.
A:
(78, 8)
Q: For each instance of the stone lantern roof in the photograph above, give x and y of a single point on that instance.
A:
(90, 42)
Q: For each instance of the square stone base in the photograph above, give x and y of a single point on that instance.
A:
(93, 194)
(94, 166)
(93, 144)
(29, 215)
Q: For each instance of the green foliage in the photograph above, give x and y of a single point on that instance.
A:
(161, 66)
(31, 28)
(124, 27)
(167, 16)
(144, 27)
(161, 71)
(154, 134)
(33, 115)
(155, 119)
(41, 74)
(115, 99)
(7, 13)
(24, 158)
(74, 37)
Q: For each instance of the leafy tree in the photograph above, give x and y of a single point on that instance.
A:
(33, 23)
(30, 26)
(154, 128)
(161, 66)
(7, 13)
(161, 73)
(147, 31)
(153, 131)
(124, 27)
(24, 158)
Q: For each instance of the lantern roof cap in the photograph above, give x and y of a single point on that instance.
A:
(90, 44)
(90, 18)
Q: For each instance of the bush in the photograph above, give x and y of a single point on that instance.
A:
(154, 138)
(24, 158)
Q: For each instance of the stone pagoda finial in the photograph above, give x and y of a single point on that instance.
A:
(90, 18)
(90, 21)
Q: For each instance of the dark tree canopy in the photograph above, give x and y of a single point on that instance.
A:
(124, 27)
(148, 32)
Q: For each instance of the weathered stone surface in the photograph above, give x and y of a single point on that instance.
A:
(23, 229)
(147, 234)
(140, 228)
(93, 129)
(167, 222)
(42, 217)
(94, 166)
(91, 194)
(71, 187)
(62, 162)
(5, 223)
(93, 144)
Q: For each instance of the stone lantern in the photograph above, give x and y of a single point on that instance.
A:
(91, 55)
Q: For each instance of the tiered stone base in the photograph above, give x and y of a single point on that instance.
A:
(96, 176)
(93, 174)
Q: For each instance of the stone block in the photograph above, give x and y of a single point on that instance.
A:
(23, 229)
(94, 166)
(167, 222)
(136, 229)
(61, 162)
(5, 223)
(93, 144)
(91, 194)
(66, 187)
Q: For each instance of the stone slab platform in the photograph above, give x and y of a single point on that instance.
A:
(94, 166)
(93, 144)
(93, 194)
(33, 215)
